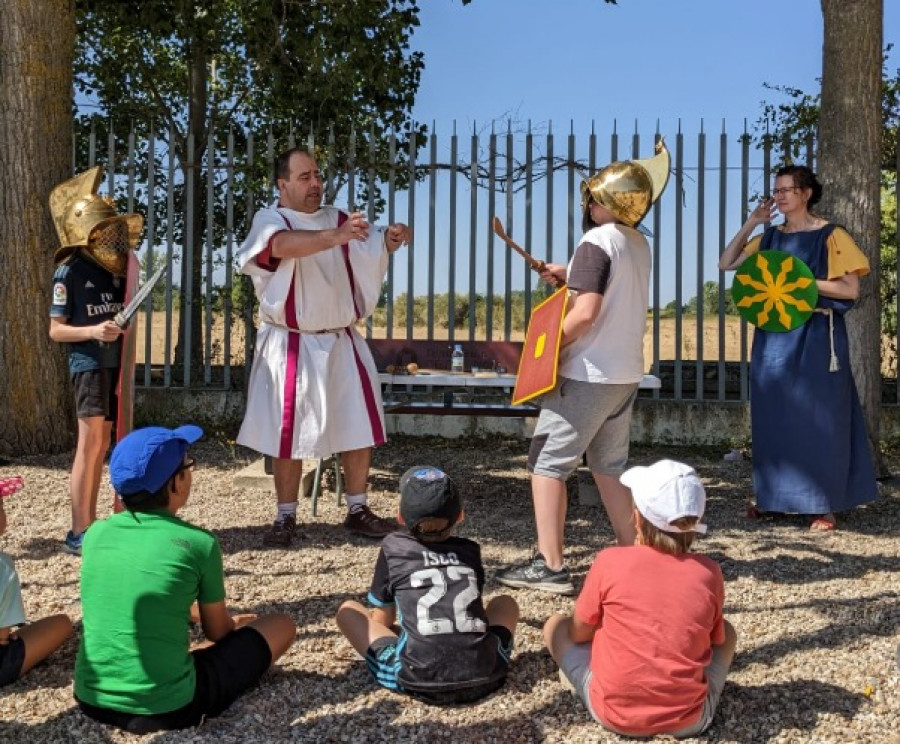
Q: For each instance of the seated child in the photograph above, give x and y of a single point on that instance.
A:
(21, 649)
(647, 649)
(142, 570)
(450, 648)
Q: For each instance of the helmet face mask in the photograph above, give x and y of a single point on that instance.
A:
(108, 245)
(86, 220)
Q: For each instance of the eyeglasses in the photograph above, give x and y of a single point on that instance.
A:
(188, 464)
(784, 190)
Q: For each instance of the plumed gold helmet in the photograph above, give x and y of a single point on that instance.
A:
(84, 219)
(628, 188)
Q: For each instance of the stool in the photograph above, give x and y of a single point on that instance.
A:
(317, 481)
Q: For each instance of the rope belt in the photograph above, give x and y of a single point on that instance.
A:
(304, 332)
(833, 365)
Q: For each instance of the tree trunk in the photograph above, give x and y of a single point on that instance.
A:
(850, 130)
(195, 205)
(37, 39)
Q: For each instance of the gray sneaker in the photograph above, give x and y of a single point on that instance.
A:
(72, 543)
(536, 575)
(282, 532)
(363, 521)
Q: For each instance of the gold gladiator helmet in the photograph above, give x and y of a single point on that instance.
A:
(628, 188)
(84, 219)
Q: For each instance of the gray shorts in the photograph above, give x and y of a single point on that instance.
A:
(576, 666)
(583, 418)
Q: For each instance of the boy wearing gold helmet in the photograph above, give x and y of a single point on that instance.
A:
(88, 291)
(600, 364)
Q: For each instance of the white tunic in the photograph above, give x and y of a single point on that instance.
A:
(312, 393)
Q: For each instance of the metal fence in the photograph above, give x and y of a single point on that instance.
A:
(457, 280)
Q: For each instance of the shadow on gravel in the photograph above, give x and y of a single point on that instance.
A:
(781, 706)
(69, 726)
(379, 720)
(41, 548)
(306, 691)
(823, 565)
(853, 621)
(317, 535)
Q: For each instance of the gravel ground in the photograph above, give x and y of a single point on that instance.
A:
(817, 614)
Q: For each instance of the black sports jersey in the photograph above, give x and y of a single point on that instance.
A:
(86, 294)
(444, 642)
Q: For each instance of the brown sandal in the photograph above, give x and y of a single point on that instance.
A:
(754, 512)
(823, 524)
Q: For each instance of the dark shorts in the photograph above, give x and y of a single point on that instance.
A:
(12, 656)
(383, 662)
(95, 393)
(224, 672)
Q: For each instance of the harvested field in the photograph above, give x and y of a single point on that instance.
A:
(719, 340)
(817, 614)
(729, 344)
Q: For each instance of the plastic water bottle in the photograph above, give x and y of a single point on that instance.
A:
(457, 359)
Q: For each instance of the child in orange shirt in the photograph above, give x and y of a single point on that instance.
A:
(647, 649)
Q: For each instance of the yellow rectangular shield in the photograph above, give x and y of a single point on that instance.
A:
(540, 353)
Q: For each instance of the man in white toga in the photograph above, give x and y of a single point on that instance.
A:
(314, 387)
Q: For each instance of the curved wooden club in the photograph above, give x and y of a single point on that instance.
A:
(534, 263)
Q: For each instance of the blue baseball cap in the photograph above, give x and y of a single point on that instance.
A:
(146, 458)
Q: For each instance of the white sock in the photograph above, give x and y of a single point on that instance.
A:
(356, 501)
(287, 510)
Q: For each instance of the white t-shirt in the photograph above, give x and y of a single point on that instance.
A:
(612, 260)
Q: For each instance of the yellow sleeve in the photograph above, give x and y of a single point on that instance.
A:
(844, 256)
(752, 245)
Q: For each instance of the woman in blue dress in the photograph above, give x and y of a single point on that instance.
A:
(810, 450)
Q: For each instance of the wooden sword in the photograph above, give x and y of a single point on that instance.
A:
(535, 263)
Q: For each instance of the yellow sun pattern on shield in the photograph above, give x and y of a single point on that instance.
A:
(775, 292)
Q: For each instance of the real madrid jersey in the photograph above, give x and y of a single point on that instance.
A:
(444, 641)
(85, 294)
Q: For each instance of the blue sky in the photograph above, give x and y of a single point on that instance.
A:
(581, 62)
(585, 60)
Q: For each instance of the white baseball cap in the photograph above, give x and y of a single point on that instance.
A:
(667, 491)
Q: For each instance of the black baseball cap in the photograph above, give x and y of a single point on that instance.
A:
(427, 492)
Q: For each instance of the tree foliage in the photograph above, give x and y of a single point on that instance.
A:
(205, 65)
(207, 75)
(795, 119)
(462, 309)
(608, 2)
(710, 305)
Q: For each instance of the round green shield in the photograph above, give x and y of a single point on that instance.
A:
(774, 291)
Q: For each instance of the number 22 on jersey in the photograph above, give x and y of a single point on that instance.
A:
(455, 580)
